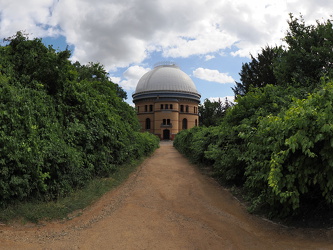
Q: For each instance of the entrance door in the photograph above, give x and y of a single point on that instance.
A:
(166, 134)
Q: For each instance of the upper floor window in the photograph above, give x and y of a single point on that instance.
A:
(187, 108)
(150, 108)
(146, 108)
(181, 108)
(166, 106)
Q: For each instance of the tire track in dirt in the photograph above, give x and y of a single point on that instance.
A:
(166, 204)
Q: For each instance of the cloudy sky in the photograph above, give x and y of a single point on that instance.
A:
(208, 39)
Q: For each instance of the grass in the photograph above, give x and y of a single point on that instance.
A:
(63, 208)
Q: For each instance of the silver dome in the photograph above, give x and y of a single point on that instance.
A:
(166, 78)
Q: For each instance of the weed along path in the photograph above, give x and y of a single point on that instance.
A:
(166, 204)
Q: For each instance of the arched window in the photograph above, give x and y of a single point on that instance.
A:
(196, 122)
(184, 123)
(147, 123)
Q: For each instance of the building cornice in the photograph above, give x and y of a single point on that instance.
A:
(166, 95)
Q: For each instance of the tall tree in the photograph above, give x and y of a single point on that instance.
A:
(34, 63)
(96, 72)
(259, 72)
(308, 55)
(211, 112)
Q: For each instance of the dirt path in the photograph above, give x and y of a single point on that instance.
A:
(166, 204)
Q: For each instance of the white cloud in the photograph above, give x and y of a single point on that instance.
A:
(131, 77)
(122, 33)
(209, 57)
(31, 16)
(212, 75)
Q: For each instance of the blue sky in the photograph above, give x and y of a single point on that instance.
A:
(207, 39)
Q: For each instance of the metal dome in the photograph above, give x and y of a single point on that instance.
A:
(166, 78)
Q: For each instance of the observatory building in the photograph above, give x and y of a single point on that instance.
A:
(166, 101)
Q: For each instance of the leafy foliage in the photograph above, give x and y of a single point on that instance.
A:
(212, 112)
(297, 163)
(308, 56)
(61, 123)
(259, 72)
(276, 143)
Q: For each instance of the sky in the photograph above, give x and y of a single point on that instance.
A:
(208, 39)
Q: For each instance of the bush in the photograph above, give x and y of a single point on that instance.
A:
(293, 152)
(62, 124)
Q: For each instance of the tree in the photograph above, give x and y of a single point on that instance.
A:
(211, 112)
(96, 72)
(308, 55)
(259, 72)
(34, 63)
(276, 142)
(62, 124)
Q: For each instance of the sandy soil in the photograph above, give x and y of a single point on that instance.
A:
(166, 204)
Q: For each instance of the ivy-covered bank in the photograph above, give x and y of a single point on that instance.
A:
(276, 142)
(62, 123)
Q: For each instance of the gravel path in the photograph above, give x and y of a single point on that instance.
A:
(165, 204)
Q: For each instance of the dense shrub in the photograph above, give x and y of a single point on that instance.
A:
(194, 142)
(223, 146)
(290, 161)
(276, 143)
(62, 124)
(274, 146)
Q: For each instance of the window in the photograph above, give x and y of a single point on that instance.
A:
(166, 122)
(171, 106)
(162, 106)
(147, 123)
(186, 108)
(184, 123)
(166, 106)
(146, 108)
(181, 108)
(196, 122)
(195, 110)
(138, 109)
(150, 108)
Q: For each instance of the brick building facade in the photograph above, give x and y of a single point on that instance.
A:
(166, 101)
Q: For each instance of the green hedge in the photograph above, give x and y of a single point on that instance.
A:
(275, 147)
(62, 124)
